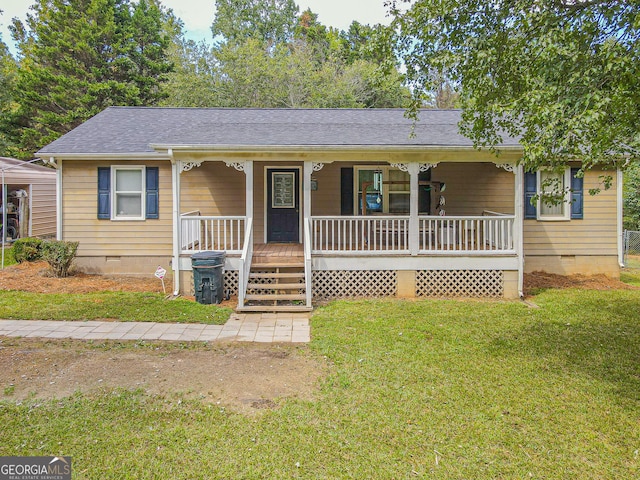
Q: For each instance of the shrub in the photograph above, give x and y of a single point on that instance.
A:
(59, 255)
(27, 249)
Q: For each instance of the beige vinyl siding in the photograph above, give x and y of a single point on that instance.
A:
(596, 234)
(213, 189)
(112, 237)
(326, 200)
(472, 188)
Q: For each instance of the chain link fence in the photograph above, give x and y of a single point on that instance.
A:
(631, 249)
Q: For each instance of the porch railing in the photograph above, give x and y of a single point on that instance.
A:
(487, 234)
(245, 263)
(483, 234)
(202, 233)
(307, 261)
(360, 234)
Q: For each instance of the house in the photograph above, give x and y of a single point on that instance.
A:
(30, 199)
(321, 203)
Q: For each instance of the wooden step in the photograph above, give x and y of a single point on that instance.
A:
(267, 297)
(276, 286)
(278, 258)
(269, 266)
(276, 275)
(275, 308)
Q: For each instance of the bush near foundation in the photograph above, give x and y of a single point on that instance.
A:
(27, 249)
(59, 255)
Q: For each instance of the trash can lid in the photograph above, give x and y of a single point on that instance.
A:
(210, 255)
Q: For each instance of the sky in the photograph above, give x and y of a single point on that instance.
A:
(197, 15)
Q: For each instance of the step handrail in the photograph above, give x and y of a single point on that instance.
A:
(245, 262)
(307, 261)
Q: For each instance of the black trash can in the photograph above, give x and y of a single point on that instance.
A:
(208, 276)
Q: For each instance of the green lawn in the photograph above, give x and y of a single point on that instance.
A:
(426, 389)
(631, 276)
(123, 306)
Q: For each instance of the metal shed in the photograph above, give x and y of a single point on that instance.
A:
(30, 192)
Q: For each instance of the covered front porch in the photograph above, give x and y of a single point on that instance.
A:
(363, 227)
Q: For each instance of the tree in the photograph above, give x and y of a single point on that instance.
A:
(563, 75)
(78, 57)
(194, 80)
(268, 21)
(307, 67)
(632, 197)
(8, 70)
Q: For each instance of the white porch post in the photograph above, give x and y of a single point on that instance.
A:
(519, 225)
(414, 226)
(248, 174)
(176, 168)
(306, 189)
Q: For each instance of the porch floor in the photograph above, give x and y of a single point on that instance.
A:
(280, 253)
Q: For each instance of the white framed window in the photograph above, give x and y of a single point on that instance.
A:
(128, 192)
(549, 182)
(387, 189)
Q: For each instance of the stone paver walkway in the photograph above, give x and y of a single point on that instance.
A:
(255, 327)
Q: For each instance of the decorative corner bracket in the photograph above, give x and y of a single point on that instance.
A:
(426, 166)
(422, 167)
(239, 166)
(316, 167)
(403, 167)
(509, 167)
(186, 166)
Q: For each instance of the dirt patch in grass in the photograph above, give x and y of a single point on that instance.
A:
(541, 280)
(244, 377)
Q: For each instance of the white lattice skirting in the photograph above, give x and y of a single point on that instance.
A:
(231, 282)
(460, 283)
(329, 284)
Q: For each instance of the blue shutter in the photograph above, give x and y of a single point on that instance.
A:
(346, 191)
(424, 193)
(153, 210)
(104, 193)
(530, 185)
(576, 195)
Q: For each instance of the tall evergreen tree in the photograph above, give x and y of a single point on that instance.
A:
(8, 70)
(78, 57)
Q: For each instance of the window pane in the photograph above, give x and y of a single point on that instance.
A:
(399, 176)
(128, 205)
(399, 203)
(374, 197)
(555, 184)
(129, 180)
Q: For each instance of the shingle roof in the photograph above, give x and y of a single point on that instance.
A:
(134, 129)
